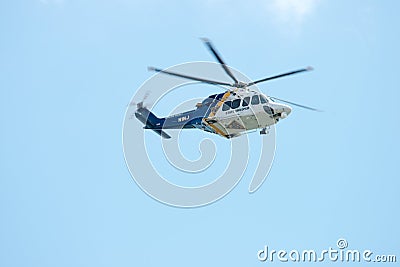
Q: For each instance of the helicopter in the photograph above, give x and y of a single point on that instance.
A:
(232, 113)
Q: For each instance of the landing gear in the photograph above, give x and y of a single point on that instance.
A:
(264, 130)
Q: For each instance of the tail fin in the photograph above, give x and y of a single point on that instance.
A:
(151, 121)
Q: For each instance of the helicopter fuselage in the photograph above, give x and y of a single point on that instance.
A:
(228, 114)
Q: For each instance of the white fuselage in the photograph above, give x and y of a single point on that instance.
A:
(244, 110)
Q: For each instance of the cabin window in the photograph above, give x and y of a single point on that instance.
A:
(255, 100)
(246, 101)
(226, 105)
(263, 100)
(235, 103)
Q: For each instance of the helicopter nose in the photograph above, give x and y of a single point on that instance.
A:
(285, 111)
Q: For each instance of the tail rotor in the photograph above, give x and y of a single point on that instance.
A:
(139, 105)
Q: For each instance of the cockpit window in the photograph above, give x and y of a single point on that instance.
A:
(226, 105)
(246, 101)
(255, 100)
(263, 99)
(235, 103)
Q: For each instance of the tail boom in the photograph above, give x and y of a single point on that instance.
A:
(151, 121)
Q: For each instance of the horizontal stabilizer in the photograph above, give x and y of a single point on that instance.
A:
(162, 133)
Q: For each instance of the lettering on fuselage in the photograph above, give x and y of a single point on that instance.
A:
(184, 118)
(236, 110)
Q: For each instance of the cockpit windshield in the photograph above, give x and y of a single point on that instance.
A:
(263, 99)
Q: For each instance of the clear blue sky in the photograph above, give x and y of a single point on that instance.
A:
(68, 68)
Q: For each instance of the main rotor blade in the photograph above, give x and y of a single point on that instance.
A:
(210, 46)
(295, 104)
(280, 75)
(188, 77)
